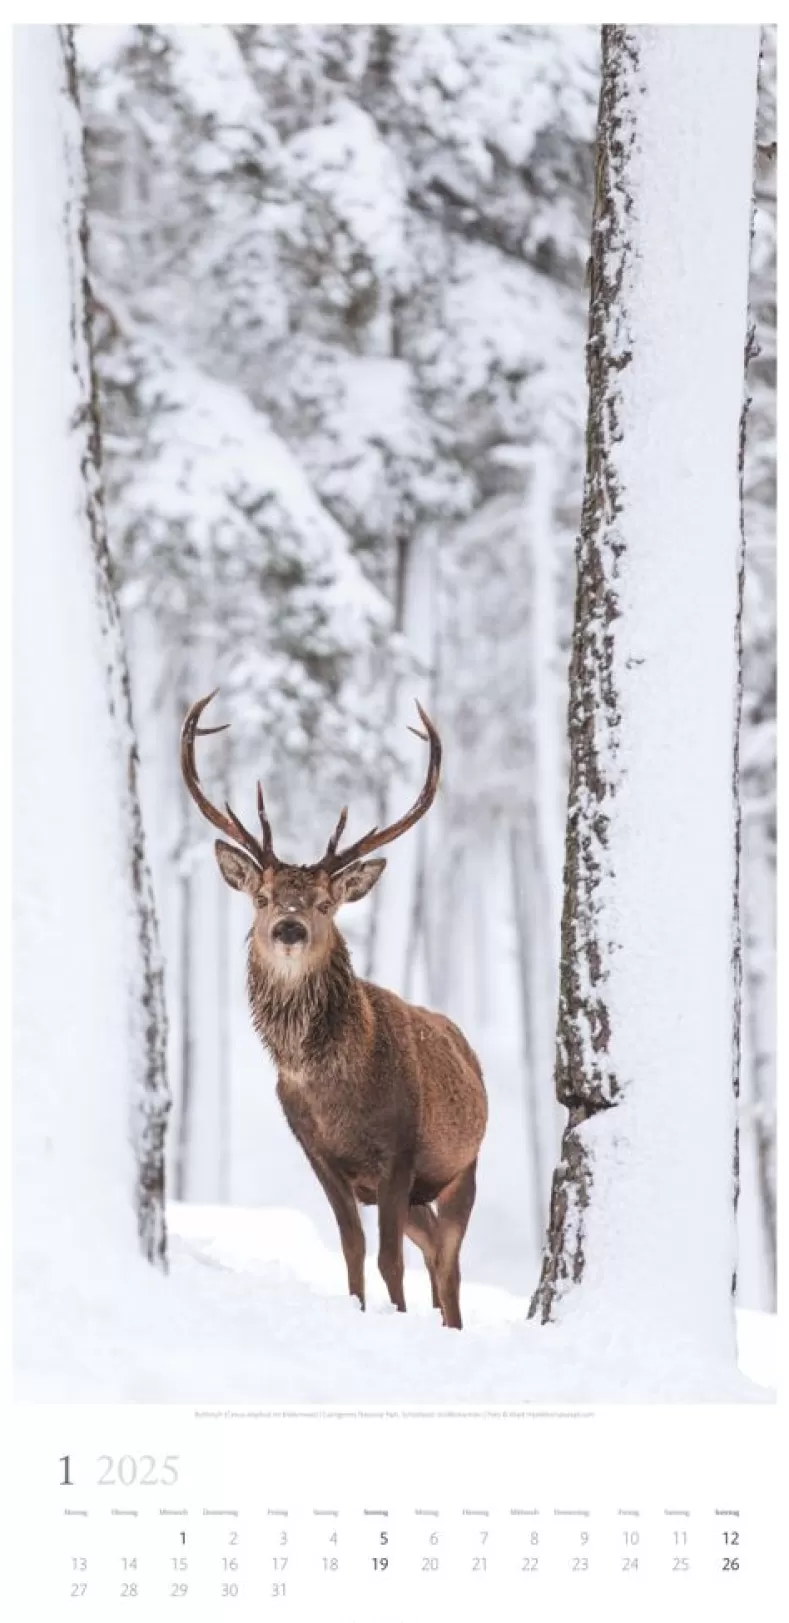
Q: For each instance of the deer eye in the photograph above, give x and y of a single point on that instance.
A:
(323, 907)
(261, 900)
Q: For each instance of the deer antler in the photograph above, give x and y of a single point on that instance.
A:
(333, 860)
(226, 821)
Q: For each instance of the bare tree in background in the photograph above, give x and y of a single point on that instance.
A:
(223, 965)
(186, 910)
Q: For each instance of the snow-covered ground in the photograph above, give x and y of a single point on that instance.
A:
(255, 1311)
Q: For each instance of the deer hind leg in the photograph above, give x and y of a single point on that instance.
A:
(454, 1207)
(421, 1226)
(343, 1203)
(393, 1192)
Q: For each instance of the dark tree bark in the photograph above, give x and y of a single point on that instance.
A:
(585, 1082)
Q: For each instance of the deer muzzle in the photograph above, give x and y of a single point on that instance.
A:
(290, 932)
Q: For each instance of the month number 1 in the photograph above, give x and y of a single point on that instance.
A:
(126, 1471)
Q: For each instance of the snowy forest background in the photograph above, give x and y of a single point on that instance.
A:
(340, 303)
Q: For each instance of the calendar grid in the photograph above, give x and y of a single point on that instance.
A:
(286, 1519)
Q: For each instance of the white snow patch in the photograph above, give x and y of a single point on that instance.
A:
(344, 162)
(255, 1309)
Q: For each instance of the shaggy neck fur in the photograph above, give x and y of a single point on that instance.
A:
(299, 1018)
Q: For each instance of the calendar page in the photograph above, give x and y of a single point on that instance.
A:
(393, 1108)
(342, 1514)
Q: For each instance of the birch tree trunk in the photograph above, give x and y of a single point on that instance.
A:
(642, 1225)
(90, 1019)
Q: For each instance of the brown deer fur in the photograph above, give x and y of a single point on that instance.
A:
(385, 1098)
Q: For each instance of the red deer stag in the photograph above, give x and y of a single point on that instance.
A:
(386, 1100)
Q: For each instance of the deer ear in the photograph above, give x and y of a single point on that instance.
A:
(352, 885)
(237, 869)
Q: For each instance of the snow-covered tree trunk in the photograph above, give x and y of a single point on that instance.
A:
(223, 1005)
(543, 797)
(525, 938)
(759, 931)
(641, 1228)
(758, 1118)
(90, 1086)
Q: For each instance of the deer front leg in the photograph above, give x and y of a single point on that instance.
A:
(343, 1203)
(393, 1192)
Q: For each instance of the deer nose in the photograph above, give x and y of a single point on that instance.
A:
(289, 931)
